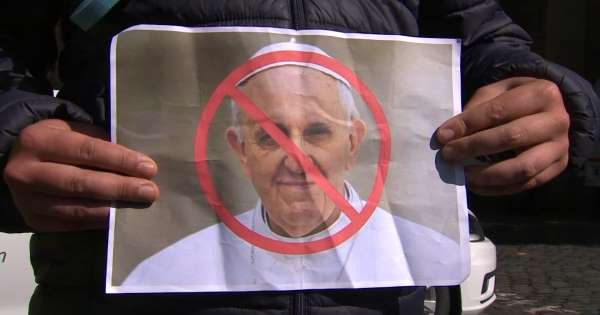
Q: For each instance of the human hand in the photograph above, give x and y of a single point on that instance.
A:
(64, 176)
(522, 114)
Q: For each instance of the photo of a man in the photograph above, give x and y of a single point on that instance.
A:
(315, 109)
(317, 112)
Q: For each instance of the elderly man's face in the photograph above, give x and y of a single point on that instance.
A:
(304, 103)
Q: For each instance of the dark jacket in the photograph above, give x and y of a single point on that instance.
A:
(70, 266)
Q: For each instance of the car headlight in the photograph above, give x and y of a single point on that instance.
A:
(475, 230)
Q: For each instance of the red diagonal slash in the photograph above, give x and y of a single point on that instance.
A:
(228, 87)
(293, 150)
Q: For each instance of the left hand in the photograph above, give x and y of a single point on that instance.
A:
(522, 114)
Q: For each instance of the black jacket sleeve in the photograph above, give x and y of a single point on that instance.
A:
(494, 48)
(27, 50)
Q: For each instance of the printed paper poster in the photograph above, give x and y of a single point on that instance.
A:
(287, 160)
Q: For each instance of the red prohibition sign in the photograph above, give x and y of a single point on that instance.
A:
(228, 88)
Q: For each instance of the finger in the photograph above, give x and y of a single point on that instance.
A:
(488, 92)
(541, 178)
(69, 147)
(72, 181)
(518, 102)
(521, 169)
(46, 213)
(523, 132)
(86, 129)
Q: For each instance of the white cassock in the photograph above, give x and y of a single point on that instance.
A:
(387, 251)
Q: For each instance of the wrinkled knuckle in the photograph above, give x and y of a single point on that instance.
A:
(496, 111)
(78, 213)
(76, 184)
(549, 90)
(514, 136)
(562, 120)
(563, 163)
(528, 170)
(12, 174)
(462, 125)
(29, 138)
(17, 174)
(122, 191)
(125, 160)
(565, 120)
(87, 150)
(532, 183)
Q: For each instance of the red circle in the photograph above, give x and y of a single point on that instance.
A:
(205, 179)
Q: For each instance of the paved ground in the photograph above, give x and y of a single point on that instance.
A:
(547, 279)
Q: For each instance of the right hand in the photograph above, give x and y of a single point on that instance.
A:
(64, 176)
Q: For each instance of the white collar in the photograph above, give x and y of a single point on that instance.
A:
(260, 225)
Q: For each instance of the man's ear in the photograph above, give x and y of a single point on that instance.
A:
(358, 131)
(238, 146)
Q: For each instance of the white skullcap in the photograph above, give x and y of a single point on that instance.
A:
(293, 46)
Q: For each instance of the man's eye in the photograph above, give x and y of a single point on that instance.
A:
(263, 139)
(317, 133)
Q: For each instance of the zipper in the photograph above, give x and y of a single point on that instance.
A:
(299, 304)
(298, 23)
(298, 17)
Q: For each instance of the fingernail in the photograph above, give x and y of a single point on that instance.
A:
(445, 135)
(147, 168)
(147, 192)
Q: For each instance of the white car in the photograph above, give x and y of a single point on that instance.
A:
(476, 293)
(16, 274)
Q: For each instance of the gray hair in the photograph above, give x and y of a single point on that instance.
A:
(344, 93)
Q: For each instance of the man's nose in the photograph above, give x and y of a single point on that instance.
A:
(292, 165)
(289, 161)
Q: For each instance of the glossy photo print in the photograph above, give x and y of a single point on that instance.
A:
(287, 160)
